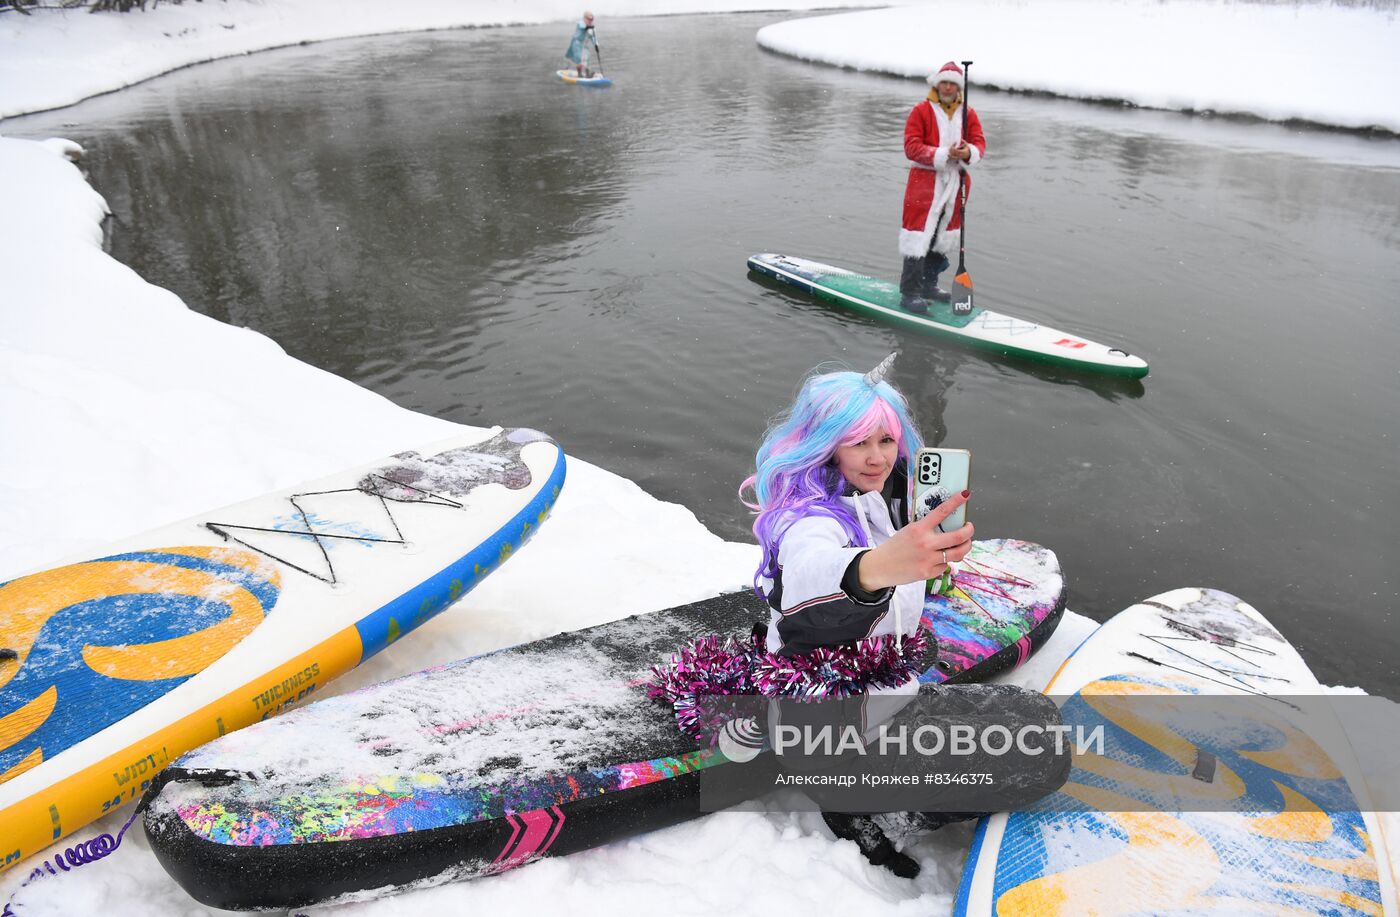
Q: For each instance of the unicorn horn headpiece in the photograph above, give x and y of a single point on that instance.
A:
(877, 375)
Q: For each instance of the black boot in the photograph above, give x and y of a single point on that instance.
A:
(911, 281)
(935, 264)
(872, 842)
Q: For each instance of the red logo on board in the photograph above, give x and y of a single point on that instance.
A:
(1069, 342)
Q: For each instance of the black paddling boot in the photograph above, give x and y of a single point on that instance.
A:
(918, 283)
(911, 284)
(872, 842)
(935, 264)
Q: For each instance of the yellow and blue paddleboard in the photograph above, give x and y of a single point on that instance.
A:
(112, 666)
(596, 80)
(1253, 814)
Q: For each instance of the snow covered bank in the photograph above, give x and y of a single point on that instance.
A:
(124, 410)
(56, 57)
(1317, 62)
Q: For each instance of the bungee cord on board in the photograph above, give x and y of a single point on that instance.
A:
(224, 529)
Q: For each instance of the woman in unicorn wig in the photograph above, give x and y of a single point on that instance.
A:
(831, 490)
(839, 565)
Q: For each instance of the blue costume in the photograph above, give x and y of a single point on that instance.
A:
(577, 53)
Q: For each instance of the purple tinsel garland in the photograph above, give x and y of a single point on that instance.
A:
(717, 666)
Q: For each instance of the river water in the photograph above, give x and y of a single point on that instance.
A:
(439, 219)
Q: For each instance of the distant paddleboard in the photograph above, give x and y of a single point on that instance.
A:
(597, 79)
(1113, 841)
(981, 328)
(124, 659)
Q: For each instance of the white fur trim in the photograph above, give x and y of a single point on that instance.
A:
(940, 157)
(976, 154)
(912, 244)
(949, 129)
(947, 243)
(915, 243)
(945, 76)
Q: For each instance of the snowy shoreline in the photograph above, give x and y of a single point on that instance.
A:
(1248, 61)
(56, 58)
(1197, 56)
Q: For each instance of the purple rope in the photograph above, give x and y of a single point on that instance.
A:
(75, 856)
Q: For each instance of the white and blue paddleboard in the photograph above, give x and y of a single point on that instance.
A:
(120, 661)
(597, 80)
(1126, 835)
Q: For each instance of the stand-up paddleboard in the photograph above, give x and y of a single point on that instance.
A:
(539, 750)
(170, 639)
(596, 80)
(1095, 849)
(981, 328)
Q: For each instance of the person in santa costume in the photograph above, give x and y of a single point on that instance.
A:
(940, 158)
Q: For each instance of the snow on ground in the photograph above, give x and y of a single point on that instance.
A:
(57, 57)
(1317, 61)
(123, 410)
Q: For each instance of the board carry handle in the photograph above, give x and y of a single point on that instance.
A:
(1204, 770)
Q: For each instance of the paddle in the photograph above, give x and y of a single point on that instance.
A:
(596, 53)
(962, 281)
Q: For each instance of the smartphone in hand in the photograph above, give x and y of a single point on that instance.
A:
(939, 474)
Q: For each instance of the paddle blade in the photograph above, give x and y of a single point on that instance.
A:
(962, 293)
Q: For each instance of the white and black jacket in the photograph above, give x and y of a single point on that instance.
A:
(816, 599)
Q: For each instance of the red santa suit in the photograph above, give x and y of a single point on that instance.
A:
(932, 191)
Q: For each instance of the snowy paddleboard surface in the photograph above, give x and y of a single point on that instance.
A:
(981, 328)
(569, 76)
(543, 749)
(1095, 849)
(169, 639)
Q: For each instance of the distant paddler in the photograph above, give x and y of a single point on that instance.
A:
(577, 55)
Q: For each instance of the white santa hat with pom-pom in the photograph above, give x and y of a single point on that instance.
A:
(948, 73)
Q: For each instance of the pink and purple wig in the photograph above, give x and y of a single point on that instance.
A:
(795, 476)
